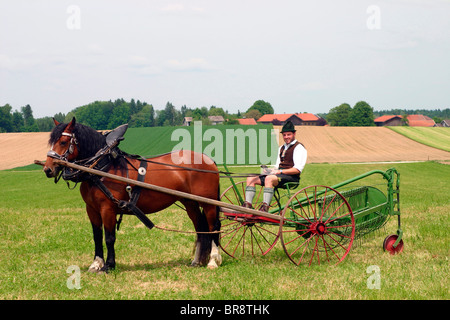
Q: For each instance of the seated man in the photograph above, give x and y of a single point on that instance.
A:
(290, 162)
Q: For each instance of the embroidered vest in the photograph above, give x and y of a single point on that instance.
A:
(287, 157)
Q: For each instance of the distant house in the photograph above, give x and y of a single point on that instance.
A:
(414, 120)
(309, 119)
(187, 121)
(298, 119)
(249, 121)
(418, 120)
(279, 119)
(444, 123)
(388, 120)
(216, 119)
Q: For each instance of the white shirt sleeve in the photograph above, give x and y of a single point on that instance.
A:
(277, 163)
(300, 156)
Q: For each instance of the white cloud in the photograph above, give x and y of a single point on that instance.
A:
(95, 48)
(16, 63)
(6, 62)
(142, 65)
(137, 61)
(198, 9)
(178, 8)
(193, 64)
(312, 86)
(173, 8)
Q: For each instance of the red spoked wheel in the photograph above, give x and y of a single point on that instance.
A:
(244, 233)
(317, 226)
(388, 244)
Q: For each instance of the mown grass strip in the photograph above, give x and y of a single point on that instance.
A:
(436, 137)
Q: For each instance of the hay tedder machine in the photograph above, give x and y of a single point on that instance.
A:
(315, 224)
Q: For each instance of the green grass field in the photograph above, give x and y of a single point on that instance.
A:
(437, 137)
(238, 141)
(45, 230)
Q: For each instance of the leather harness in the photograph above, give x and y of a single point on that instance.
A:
(102, 161)
(130, 206)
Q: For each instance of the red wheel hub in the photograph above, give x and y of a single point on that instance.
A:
(317, 228)
(388, 244)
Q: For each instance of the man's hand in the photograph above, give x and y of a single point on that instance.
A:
(267, 171)
(272, 172)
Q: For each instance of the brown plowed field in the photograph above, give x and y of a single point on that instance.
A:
(363, 144)
(324, 144)
(21, 149)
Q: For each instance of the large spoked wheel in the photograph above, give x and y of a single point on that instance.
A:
(242, 233)
(317, 226)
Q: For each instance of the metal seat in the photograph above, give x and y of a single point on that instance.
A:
(288, 186)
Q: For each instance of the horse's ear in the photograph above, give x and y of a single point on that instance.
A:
(72, 123)
(55, 121)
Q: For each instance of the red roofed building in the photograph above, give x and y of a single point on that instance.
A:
(249, 121)
(298, 119)
(414, 120)
(388, 120)
(418, 120)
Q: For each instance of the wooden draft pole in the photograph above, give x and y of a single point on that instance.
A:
(167, 190)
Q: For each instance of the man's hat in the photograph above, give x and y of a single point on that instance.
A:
(288, 127)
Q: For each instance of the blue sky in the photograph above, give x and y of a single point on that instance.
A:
(301, 56)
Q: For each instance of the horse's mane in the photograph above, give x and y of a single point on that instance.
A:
(90, 140)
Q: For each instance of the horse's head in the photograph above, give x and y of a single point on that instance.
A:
(64, 146)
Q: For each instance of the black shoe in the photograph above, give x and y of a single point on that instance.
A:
(264, 207)
(247, 205)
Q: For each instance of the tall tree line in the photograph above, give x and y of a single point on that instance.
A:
(361, 115)
(21, 121)
(106, 115)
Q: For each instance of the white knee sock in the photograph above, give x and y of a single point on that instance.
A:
(250, 194)
(268, 195)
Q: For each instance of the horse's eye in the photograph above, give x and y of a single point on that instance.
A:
(63, 143)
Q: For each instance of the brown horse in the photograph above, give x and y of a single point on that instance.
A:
(73, 142)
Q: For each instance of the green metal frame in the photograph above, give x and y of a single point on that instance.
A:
(241, 200)
(371, 207)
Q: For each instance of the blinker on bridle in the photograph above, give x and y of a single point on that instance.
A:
(73, 142)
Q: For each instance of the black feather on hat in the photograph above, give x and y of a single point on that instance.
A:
(288, 127)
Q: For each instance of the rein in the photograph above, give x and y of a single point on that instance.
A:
(227, 173)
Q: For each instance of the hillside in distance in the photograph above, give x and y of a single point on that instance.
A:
(324, 144)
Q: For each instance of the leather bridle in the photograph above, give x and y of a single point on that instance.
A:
(72, 144)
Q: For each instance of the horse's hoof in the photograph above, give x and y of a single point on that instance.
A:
(215, 261)
(106, 269)
(97, 265)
